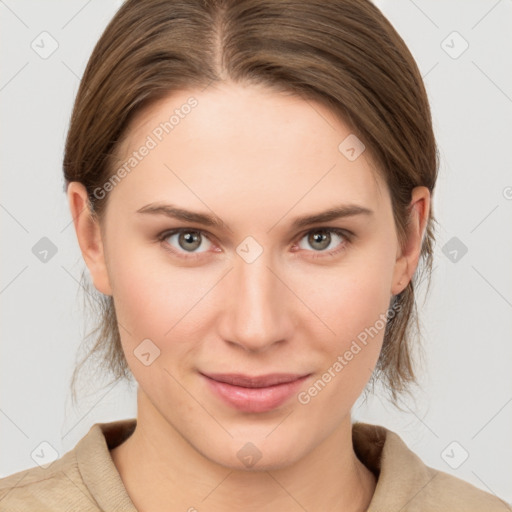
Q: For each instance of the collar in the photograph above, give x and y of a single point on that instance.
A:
(400, 474)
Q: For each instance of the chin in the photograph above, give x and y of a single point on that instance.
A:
(256, 449)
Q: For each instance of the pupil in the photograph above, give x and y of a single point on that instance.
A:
(190, 238)
(320, 237)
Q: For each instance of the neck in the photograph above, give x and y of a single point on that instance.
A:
(162, 471)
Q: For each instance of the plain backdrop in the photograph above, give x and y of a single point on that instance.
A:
(462, 418)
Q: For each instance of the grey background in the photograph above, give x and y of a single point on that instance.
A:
(466, 394)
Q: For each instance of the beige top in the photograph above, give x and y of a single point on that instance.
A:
(85, 478)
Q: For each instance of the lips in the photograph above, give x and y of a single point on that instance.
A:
(246, 381)
(254, 394)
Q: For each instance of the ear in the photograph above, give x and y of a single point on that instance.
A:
(89, 236)
(408, 256)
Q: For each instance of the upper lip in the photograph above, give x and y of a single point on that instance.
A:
(262, 381)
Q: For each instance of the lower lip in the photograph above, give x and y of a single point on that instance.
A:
(255, 399)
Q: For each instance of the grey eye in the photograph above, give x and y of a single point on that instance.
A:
(188, 240)
(320, 239)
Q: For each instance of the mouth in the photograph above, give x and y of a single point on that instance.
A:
(254, 393)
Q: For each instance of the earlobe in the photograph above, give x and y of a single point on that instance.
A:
(89, 236)
(408, 256)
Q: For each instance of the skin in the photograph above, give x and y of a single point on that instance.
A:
(256, 158)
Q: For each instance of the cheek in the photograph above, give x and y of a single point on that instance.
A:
(352, 296)
(159, 301)
(149, 293)
(351, 301)
(355, 309)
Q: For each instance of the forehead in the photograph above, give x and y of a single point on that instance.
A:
(267, 147)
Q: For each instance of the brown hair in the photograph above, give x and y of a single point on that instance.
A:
(342, 53)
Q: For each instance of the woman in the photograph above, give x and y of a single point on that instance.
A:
(251, 186)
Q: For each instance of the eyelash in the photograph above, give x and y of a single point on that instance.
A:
(346, 235)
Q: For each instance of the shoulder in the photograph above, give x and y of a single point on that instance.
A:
(59, 486)
(456, 494)
(84, 478)
(405, 483)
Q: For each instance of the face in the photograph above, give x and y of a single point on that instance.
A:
(257, 292)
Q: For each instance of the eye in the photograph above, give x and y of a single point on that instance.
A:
(321, 238)
(186, 241)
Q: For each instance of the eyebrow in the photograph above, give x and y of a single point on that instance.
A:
(173, 212)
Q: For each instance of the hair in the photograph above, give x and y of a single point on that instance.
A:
(343, 54)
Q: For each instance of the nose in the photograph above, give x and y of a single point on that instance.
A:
(257, 306)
